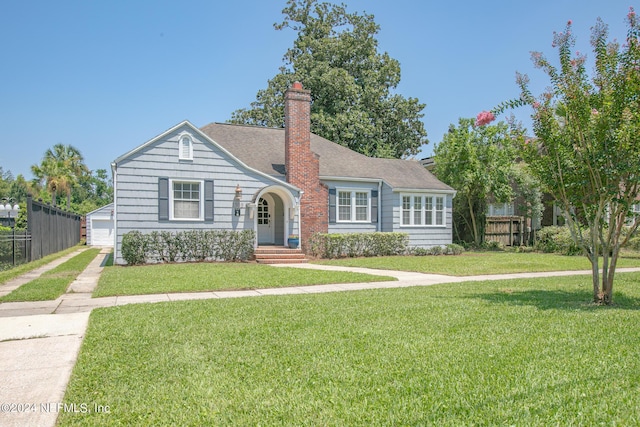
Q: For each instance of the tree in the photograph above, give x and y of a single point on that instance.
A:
(587, 151)
(336, 57)
(93, 191)
(476, 161)
(61, 168)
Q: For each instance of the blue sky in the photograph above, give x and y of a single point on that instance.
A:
(108, 75)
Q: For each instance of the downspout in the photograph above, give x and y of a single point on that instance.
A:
(114, 172)
(300, 216)
(379, 224)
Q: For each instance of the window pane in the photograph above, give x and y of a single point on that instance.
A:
(406, 217)
(417, 210)
(344, 206)
(185, 209)
(439, 210)
(362, 205)
(344, 213)
(406, 210)
(428, 210)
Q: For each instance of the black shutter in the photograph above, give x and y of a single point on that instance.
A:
(332, 206)
(208, 200)
(374, 206)
(163, 199)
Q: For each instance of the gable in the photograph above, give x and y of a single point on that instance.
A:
(167, 152)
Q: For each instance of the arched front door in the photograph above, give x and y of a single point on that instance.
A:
(266, 226)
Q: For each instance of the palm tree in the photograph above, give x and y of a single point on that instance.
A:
(60, 169)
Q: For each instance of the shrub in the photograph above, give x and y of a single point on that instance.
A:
(135, 248)
(358, 244)
(557, 240)
(436, 250)
(454, 249)
(634, 243)
(189, 245)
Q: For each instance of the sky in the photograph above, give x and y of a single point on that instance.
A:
(106, 76)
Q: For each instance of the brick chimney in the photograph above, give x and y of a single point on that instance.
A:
(302, 165)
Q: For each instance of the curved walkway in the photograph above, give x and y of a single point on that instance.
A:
(40, 341)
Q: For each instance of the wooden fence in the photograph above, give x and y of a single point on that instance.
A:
(508, 230)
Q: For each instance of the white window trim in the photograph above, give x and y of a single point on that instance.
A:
(180, 138)
(353, 192)
(423, 210)
(171, 200)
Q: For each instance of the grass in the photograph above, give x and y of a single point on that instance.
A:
(53, 283)
(528, 352)
(6, 275)
(476, 263)
(197, 277)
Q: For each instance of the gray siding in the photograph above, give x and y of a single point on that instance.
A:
(137, 186)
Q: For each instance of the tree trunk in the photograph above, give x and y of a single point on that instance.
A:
(607, 280)
(474, 224)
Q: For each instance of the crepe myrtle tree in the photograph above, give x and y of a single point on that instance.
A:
(586, 150)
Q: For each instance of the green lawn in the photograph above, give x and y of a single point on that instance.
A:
(53, 283)
(474, 263)
(18, 270)
(526, 353)
(195, 277)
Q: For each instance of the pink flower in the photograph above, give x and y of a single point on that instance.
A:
(536, 104)
(569, 22)
(594, 112)
(485, 118)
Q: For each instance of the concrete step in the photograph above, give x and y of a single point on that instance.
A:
(279, 255)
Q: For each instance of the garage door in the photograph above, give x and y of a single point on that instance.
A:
(102, 232)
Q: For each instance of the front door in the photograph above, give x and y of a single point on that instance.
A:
(265, 223)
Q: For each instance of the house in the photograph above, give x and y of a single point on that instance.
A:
(100, 226)
(277, 182)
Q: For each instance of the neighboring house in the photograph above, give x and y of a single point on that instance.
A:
(100, 226)
(506, 215)
(278, 182)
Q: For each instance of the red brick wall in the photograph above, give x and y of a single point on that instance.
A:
(302, 165)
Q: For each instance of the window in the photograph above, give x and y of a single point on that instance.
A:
(263, 212)
(187, 201)
(500, 209)
(353, 206)
(422, 210)
(185, 148)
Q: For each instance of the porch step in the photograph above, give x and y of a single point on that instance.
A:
(279, 255)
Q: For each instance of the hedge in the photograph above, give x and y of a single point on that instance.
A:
(358, 244)
(185, 246)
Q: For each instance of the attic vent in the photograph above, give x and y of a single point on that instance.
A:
(186, 148)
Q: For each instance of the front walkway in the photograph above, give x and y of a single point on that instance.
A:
(40, 341)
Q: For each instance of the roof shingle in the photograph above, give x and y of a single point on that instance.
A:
(263, 149)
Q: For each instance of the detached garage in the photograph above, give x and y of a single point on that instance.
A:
(100, 226)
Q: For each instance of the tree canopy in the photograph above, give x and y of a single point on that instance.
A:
(587, 147)
(477, 161)
(352, 84)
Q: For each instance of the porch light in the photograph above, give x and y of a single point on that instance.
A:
(252, 208)
(236, 201)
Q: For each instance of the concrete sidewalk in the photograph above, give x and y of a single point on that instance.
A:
(40, 341)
